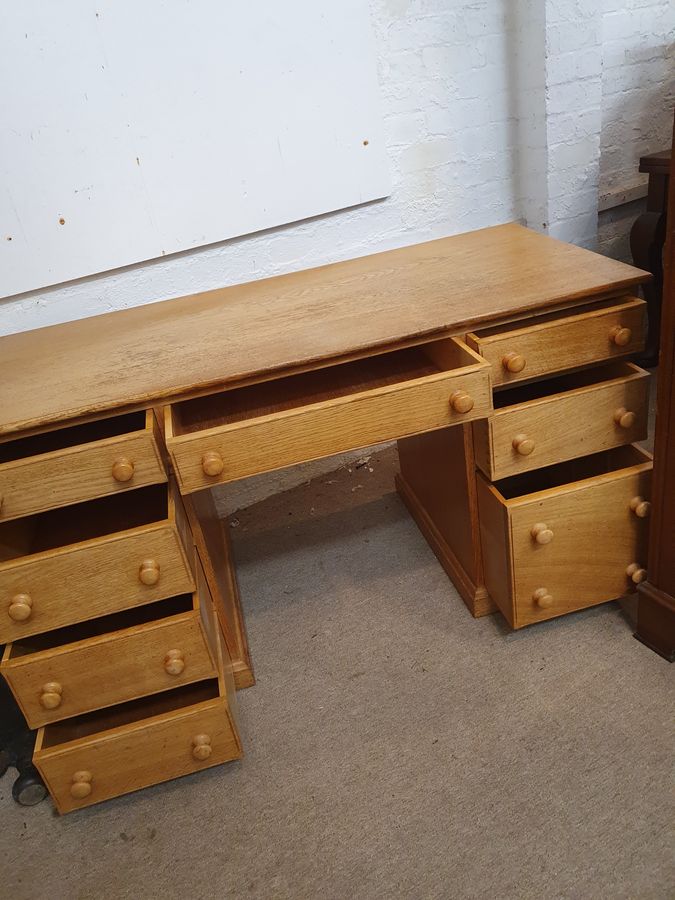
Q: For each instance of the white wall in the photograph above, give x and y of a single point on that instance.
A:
(449, 135)
(638, 95)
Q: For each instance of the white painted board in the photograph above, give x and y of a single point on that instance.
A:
(131, 130)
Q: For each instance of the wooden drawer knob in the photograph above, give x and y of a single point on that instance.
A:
(81, 786)
(201, 746)
(541, 533)
(212, 463)
(640, 507)
(123, 469)
(20, 607)
(542, 598)
(624, 418)
(50, 698)
(514, 362)
(620, 336)
(636, 573)
(461, 402)
(174, 662)
(523, 444)
(148, 572)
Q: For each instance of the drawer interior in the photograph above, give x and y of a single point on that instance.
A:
(569, 382)
(128, 713)
(128, 618)
(62, 438)
(305, 388)
(570, 471)
(82, 521)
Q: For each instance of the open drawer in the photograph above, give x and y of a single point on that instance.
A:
(545, 422)
(557, 342)
(565, 537)
(119, 657)
(73, 564)
(123, 748)
(340, 407)
(80, 462)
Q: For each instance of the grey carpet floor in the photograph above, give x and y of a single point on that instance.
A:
(395, 747)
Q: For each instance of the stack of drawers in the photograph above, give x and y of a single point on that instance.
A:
(114, 650)
(560, 500)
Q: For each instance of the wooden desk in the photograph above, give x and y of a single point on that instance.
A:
(121, 610)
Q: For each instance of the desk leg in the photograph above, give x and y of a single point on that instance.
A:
(438, 485)
(212, 540)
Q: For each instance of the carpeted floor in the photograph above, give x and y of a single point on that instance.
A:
(395, 747)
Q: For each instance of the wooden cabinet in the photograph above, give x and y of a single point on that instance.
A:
(560, 507)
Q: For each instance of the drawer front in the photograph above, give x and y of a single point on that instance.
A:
(80, 473)
(563, 426)
(293, 436)
(101, 672)
(559, 344)
(148, 752)
(594, 534)
(83, 581)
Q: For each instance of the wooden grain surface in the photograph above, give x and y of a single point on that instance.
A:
(187, 346)
(564, 424)
(560, 344)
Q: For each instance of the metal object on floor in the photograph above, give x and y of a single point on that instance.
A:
(16, 749)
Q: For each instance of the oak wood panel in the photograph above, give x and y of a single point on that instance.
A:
(576, 421)
(437, 484)
(76, 579)
(562, 343)
(289, 436)
(155, 744)
(596, 535)
(495, 543)
(199, 343)
(82, 472)
(112, 667)
(214, 549)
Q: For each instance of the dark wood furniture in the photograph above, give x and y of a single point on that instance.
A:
(656, 605)
(647, 238)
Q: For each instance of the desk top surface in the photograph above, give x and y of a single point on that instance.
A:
(179, 348)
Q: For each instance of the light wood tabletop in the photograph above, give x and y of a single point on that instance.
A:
(187, 346)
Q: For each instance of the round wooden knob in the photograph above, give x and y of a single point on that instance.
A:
(620, 336)
(514, 362)
(212, 463)
(123, 469)
(81, 786)
(636, 573)
(541, 533)
(542, 598)
(523, 444)
(174, 662)
(201, 746)
(50, 698)
(148, 572)
(461, 402)
(20, 607)
(640, 507)
(624, 418)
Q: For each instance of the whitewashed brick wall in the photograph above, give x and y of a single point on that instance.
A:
(638, 96)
